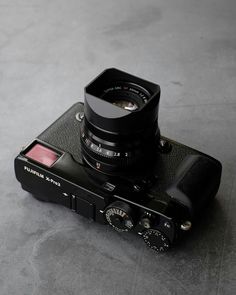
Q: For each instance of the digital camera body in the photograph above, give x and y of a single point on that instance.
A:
(107, 178)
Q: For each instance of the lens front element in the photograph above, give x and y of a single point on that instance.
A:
(126, 105)
(126, 95)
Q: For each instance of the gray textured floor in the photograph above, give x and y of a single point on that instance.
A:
(49, 50)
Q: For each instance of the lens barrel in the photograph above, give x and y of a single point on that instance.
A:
(120, 126)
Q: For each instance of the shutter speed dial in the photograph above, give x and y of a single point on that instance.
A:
(120, 216)
(156, 240)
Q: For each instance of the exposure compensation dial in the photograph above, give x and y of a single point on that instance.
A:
(156, 240)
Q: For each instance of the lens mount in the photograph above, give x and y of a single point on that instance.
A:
(120, 126)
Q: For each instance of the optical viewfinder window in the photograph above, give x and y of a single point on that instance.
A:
(42, 155)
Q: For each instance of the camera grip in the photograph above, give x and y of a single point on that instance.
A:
(196, 181)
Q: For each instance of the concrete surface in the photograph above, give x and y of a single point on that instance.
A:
(49, 50)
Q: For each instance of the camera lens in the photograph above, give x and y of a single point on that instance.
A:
(120, 126)
(126, 95)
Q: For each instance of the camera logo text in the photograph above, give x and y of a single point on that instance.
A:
(42, 176)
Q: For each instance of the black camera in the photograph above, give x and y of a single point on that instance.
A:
(106, 160)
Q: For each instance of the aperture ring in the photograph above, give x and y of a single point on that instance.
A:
(101, 154)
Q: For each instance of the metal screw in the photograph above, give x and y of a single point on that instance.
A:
(186, 225)
(79, 116)
(98, 165)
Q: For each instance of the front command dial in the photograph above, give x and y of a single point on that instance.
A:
(156, 240)
(120, 216)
